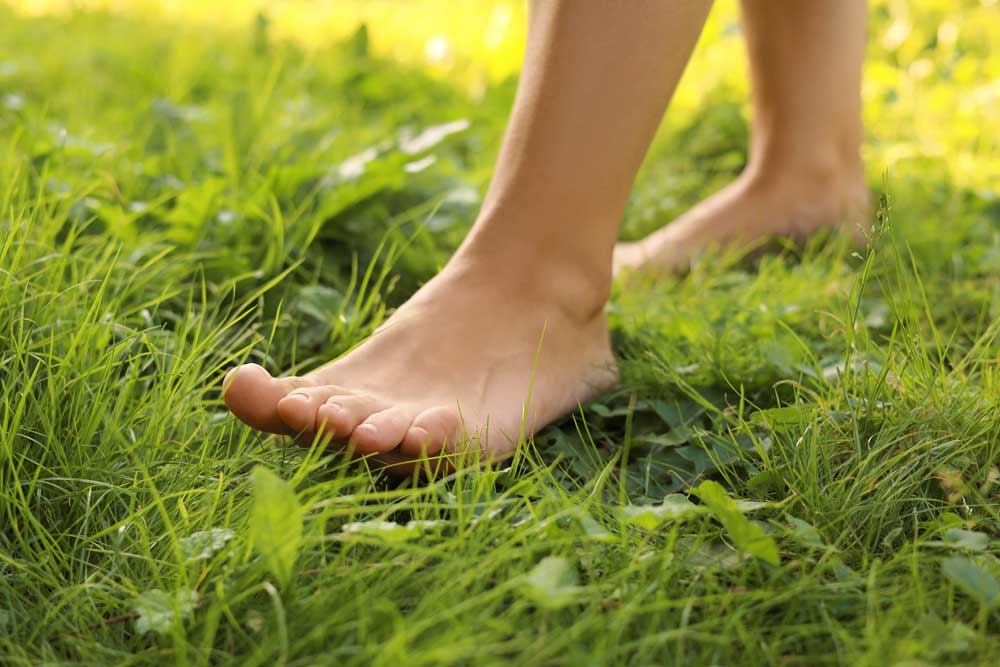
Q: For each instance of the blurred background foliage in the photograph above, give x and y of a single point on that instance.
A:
(922, 53)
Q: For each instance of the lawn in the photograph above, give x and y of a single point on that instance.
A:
(799, 468)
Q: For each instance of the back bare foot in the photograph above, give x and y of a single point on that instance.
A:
(451, 369)
(792, 204)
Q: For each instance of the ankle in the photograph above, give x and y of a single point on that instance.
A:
(520, 268)
(827, 178)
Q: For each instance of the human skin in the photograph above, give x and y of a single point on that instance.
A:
(511, 334)
(804, 169)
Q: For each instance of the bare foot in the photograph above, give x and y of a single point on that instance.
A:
(752, 208)
(450, 370)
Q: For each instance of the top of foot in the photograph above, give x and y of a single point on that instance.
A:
(748, 211)
(470, 363)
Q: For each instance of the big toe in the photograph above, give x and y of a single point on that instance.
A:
(252, 394)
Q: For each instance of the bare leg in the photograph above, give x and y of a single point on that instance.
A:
(804, 169)
(535, 271)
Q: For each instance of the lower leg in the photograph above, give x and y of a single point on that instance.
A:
(520, 305)
(804, 169)
(596, 79)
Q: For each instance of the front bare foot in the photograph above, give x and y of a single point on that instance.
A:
(451, 369)
(791, 203)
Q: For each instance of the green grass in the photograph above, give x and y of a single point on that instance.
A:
(174, 201)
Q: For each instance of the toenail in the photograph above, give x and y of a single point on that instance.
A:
(255, 369)
(301, 397)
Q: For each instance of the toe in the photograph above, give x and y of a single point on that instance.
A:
(300, 408)
(341, 413)
(252, 394)
(430, 431)
(382, 431)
